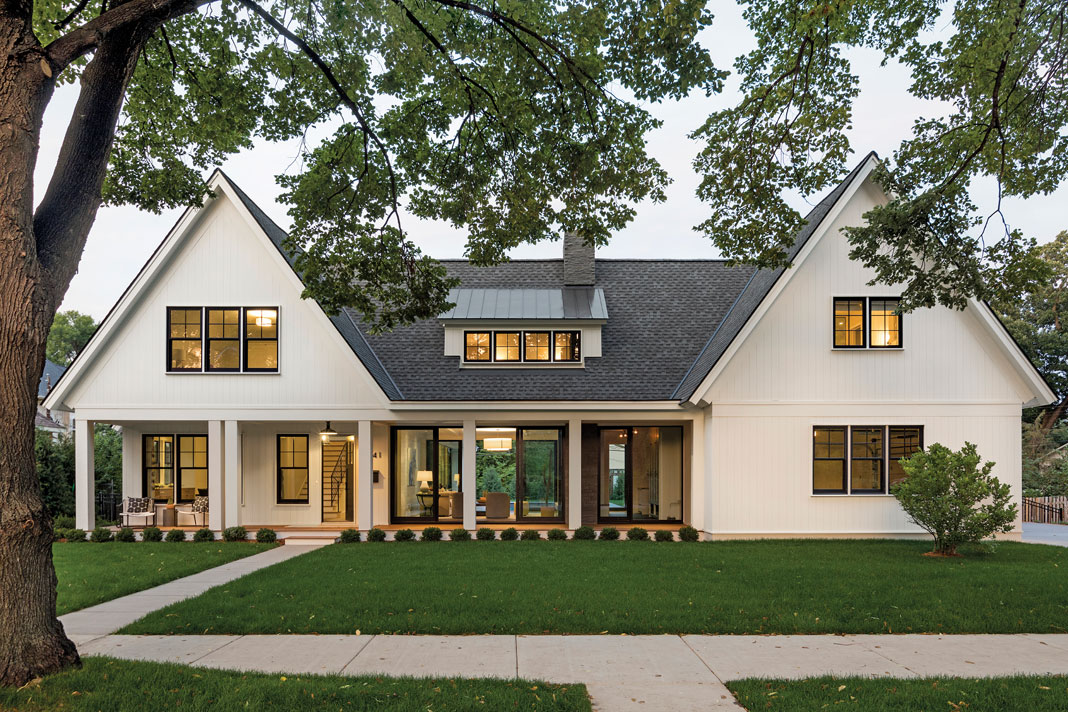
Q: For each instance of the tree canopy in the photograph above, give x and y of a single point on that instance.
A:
(70, 332)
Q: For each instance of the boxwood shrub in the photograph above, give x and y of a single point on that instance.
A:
(485, 534)
(376, 534)
(584, 533)
(125, 534)
(204, 534)
(531, 535)
(664, 535)
(637, 534)
(404, 535)
(349, 536)
(460, 534)
(688, 534)
(100, 535)
(63, 522)
(175, 535)
(431, 534)
(609, 534)
(235, 534)
(75, 535)
(151, 534)
(557, 535)
(266, 536)
(509, 534)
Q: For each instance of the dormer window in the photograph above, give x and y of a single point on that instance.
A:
(536, 346)
(566, 346)
(867, 323)
(506, 346)
(477, 346)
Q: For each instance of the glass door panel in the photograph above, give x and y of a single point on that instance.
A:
(614, 495)
(495, 472)
(448, 492)
(159, 468)
(540, 484)
(414, 479)
(656, 465)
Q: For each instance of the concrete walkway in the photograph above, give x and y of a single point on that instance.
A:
(622, 673)
(1055, 534)
(112, 615)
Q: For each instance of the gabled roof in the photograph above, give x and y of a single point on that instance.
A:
(50, 375)
(563, 303)
(45, 423)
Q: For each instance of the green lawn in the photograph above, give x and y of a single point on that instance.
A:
(636, 587)
(125, 686)
(951, 694)
(92, 573)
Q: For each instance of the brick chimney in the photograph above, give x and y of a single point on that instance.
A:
(579, 270)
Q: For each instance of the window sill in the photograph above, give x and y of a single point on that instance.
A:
(868, 349)
(858, 495)
(527, 365)
(222, 373)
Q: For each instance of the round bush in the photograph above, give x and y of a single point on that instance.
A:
(266, 536)
(151, 534)
(125, 534)
(459, 535)
(609, 534)
(350, 536)
(235, 534)
(485, 534)
(376, 534)
(510, 534)
(531, 535)
(203, 535)
(431, 534)
(557, 535)
(58, 534)
(637, 534)
(175, 535)
(586, 533)
(688, 534)
(63, 522)
(663, 535)
(404, 535)
(100, 535)
(75, 535)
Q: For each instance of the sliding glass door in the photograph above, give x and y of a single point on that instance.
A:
(641, 474)
(425, 473)
(538, 490)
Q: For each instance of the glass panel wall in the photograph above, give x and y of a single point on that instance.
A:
(159, 468)
(450, 504)
(495, 473)
(541, 473)
(641, 474)
(613, 479)
(413, 473)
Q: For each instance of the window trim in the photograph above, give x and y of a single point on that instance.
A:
(849, 491)
(549, 343)
(171, 339)
(245, 339)
(844, 459)
(576, 345)
(278, 467)
(864, 323)
(493, 340)
(489, 346)
(900, 324)
(206, 349)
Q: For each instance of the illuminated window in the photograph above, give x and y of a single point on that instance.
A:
(183, 339)
(158, 459)
(903, 443)
(536, 346)
(885, 320)
(292, 469)
(849, 323)
(506, 346)
(476, 346)
(566, 346)
(261, 339)
(224, 339)
(192, 467)
(866, 466)
(828, 460)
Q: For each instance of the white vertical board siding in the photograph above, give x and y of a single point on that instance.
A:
(380, 439)
(226, 262)
(259, 476)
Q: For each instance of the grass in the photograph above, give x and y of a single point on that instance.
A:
(126, 686)
(91, 573)
(950, 694)
(875, 586)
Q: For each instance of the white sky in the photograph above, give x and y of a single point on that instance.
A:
(123, 238)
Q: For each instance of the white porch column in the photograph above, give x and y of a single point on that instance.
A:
(699, 485)
(215, 474)
(365, 476)
(84, 475)
(133, 480)
(231, 473)
(574, 473)
(468, 482)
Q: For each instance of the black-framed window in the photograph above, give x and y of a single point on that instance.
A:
(829, 459)
(477, 346)
(425, 473)
(184, 339)
(261, 339)
(224, 339)
(566, 346)
(293, 469)
(506, 346)
(866, 460)
(536, 346)
(884, 318)
(192, 467)
(641, 474)
(849, 326)
(903, 441)
(157, 463)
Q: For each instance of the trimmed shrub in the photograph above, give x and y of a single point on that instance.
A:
(235, 534)
(531, 535)
(125, 534)
(350, 536)
(609, 534)
(637, 534)
(557, 535)
(74, 535)
(485, 534)
(431, 534)
(175, 535)
(63, 522)
(459, 535)
(266, 536)
(57, 534)
(204, 534)
(689, 534)
(100, 535)
(376, 534)
(404, 535)
(663, 535)
(151, 534)
(509, 534)
(584, 533)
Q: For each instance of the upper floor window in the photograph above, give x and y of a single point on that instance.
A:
(506, 346)
(536, 346)
(862, 459)
(522, 347)
(223, 339)
(566, 346)
(867, 322)
(477, 346)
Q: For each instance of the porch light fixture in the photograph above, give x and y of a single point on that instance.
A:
(327, 431)
(497, 444)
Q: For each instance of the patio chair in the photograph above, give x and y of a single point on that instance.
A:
(140, 511)
(195, 514)
(498, 505)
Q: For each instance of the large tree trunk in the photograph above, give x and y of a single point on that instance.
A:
(32, 641)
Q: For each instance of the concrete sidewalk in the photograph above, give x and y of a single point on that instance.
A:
(112, 615)
(1055, 534)
(643, 672)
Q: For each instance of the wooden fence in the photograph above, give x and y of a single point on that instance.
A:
(1045, 510)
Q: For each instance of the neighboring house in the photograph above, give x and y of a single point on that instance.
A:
(58, 423)
(556, 392)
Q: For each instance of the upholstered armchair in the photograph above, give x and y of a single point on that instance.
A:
(138, 511)
(498, 505)
(195, 514)
(456, 507)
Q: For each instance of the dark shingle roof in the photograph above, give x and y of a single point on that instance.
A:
(50, 375)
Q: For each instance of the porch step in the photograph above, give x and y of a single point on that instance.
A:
(309, 539)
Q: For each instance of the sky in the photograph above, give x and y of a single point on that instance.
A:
(123, 238)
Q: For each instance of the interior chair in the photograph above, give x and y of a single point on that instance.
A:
(498, 505)
(456, 505)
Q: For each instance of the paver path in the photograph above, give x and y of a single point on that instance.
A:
(111, 615)
(642, 672)
(1056, 534)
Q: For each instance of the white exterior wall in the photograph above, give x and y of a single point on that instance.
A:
(259, 476)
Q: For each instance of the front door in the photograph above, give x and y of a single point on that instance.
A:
(337, 480)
